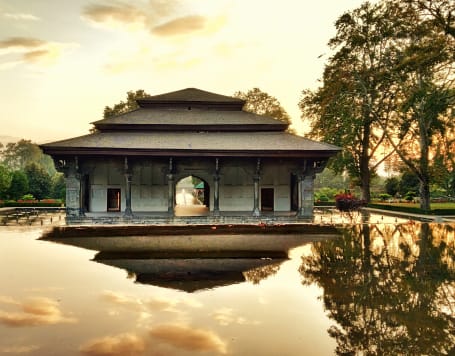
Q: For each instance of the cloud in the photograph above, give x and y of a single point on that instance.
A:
(21, 42)
(21, 17)
(181, 25)
(122, 345)
(126, 301)
(33, 51)
(35, 311)
(226, 316)
(188, 338)
(160, 18)
(114, 15)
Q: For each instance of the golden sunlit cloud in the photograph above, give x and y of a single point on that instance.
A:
(115, 15)
(122, 345)
(226, 316)
(188, 338)
(35, 311)
(21, 42)
(123, 300)
(33, 51)
(181, 25)
(21, 17)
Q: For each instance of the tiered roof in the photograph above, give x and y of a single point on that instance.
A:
(191, 122)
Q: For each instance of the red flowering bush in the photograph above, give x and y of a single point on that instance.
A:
(348, 202)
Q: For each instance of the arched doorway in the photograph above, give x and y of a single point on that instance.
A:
(192, 197)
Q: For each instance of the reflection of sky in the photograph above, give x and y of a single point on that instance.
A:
(54, 300)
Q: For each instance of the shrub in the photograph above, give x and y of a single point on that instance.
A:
(385, 196)
(348, 202)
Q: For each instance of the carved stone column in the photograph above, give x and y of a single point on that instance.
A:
(256, 180)
(171, 190)
(128, 177)
(216, 191)
(306, 192)
(73, 189)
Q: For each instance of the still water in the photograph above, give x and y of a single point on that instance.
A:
(384, 288)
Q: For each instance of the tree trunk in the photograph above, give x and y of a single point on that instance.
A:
(365, 174)
(425, 193)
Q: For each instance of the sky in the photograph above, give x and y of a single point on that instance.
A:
(62, 62)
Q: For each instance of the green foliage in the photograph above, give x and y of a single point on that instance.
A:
(392, 185)
(19, 185)
(58, 190)
(5, 181)
(409, 182)
(125, 106)
(17, 155)
(38, 180)
(261, 103)
(329, 178)
(324, 193)
(28, 197)
(385, 196)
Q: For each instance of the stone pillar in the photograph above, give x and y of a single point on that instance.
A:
(306, 195)
(73, 189)
(216, 191)
(128, 177)
(256, 179)
(171, 190)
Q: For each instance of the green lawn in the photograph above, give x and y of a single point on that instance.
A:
(416, 205)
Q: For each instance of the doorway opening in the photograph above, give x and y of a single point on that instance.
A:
(192, 197)
(267, 199)
(113, 199)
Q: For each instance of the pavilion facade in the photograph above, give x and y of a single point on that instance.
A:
(130, 165)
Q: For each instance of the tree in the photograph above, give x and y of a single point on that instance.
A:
(125, 106)
(261, 103)
(357, 92)
(19, 185)
(409, 182)
(5, 181)
(38, 180)
(17, 155)
(392, 185)
(441, 13)
(58, 190)
(426, 85)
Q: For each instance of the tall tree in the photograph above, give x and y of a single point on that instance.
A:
(39, 181)
(261, 103)
(356, 93)
(426, 85)
(18, 186)
(17, 155)
(5, 181)
(125, 106)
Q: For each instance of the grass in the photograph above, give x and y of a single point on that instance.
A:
(416, 205)
(436, 208)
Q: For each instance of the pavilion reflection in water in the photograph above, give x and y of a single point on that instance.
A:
(191, 274)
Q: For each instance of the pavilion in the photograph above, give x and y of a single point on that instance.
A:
(127, 169)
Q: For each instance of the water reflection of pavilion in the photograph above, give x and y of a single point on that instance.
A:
(192, 258)
(190, 274)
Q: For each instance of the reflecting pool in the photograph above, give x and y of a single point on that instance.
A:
(382, 288)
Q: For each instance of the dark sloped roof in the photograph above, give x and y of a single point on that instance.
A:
(190, 95)
(275, 143)
(195, 119)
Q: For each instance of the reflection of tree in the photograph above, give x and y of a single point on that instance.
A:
(390, 288)
(256, 275)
